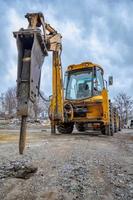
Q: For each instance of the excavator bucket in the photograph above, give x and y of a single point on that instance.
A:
(31, 53)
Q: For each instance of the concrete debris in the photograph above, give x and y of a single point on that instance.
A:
(17, 169)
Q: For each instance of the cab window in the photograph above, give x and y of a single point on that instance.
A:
(98, 81)
(79, 85)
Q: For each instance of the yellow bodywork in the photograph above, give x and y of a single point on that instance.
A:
(82, 66)
(57, 101)
(98, 106)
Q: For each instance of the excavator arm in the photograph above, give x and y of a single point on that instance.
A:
(34, 44)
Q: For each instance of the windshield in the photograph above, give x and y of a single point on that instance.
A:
(79, 84)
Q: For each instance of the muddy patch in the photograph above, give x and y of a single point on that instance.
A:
(17, 170)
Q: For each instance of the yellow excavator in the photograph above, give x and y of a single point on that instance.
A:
(83, 98)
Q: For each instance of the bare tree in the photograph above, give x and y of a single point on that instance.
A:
(10, 101)
(41, 107)
(124, 104)
(37, 108)
(2, 104)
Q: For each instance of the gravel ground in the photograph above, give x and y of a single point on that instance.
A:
(67, 167)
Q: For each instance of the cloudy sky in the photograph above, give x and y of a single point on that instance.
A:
(100, 31)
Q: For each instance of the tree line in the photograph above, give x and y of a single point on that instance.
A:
(8, 105)
(8, 100)
(124, 105)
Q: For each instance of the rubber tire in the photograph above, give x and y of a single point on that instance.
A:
(111, 132)
(65, 128)
(119, 129)
(105, 130)
(80, 127)
(111, 112)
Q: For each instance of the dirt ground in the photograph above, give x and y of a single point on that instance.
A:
(85, 166)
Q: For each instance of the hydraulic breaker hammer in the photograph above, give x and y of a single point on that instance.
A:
(32, 50)
(33, 45)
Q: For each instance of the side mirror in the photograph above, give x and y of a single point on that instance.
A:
(110, 80)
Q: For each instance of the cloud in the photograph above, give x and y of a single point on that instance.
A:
(8, 51)
(99, 32)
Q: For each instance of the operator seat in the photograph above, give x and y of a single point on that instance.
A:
(83, 90)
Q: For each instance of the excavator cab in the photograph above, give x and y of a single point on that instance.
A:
(83, 83)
